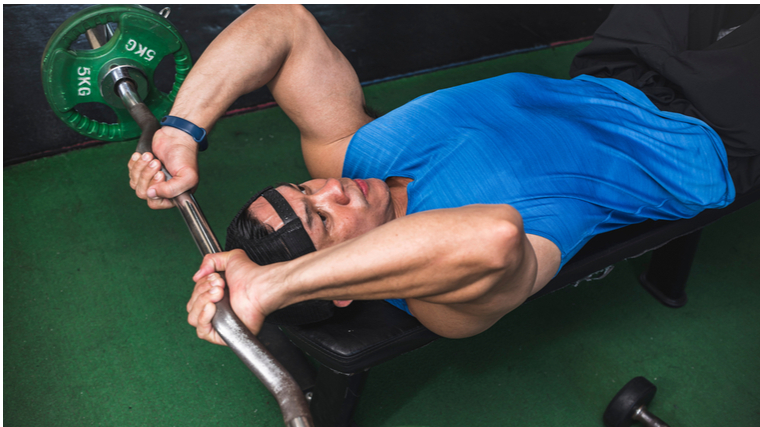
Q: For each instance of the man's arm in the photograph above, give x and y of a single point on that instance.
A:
(283, 47)
(459, 269)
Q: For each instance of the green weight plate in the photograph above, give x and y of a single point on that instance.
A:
(72, 77)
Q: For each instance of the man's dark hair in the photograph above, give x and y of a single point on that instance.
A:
(247, 226)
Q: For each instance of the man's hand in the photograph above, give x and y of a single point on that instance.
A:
(179, 153)
(243, 275)
(209, 289)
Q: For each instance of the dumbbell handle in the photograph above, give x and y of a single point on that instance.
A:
(647, 418)
(238, 337)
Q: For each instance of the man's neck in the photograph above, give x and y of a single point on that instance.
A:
(399, 198)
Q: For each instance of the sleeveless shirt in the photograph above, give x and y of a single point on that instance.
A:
(576, 158)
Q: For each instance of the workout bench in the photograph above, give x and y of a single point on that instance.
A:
(368, 333)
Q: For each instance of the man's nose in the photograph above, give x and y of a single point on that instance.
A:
(333, 191)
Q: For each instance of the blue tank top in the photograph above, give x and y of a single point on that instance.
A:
(576, 158)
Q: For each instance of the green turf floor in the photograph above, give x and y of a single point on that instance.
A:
(95, 286)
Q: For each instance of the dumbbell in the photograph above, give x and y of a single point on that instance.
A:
(629, 405)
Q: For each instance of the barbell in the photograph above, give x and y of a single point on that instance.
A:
(128, 43)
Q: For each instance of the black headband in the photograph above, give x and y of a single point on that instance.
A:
(287, 243)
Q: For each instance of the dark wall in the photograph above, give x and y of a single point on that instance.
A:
(381, 41)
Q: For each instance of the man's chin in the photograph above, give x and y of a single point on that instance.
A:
(342, 303)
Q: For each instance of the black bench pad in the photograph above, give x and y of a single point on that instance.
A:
(362, 335)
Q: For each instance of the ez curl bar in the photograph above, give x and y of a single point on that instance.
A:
(123, 62)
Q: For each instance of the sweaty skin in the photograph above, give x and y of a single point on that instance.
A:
(460, 270)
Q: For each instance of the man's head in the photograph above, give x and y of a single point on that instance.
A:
(283, 223)
(330, 211)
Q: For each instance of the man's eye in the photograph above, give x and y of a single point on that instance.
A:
(322, 217)
(301, 189)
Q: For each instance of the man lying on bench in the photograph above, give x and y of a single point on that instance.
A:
(455, 207)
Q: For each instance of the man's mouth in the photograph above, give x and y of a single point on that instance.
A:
(362, 186)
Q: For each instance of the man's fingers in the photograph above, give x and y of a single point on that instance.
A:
(131, 165)
(204, 285)
(181, 182)
(207, 267)
(206, 331)
(201, 308)
(200, 287)
(160, 203)
(203, 299)
(215, 262)
(144, 172)
(150, 182)
(137, 166)
(204, 317)
(157, 202)
(209, 289)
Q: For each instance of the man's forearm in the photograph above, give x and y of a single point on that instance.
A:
(244, 57)
(459, 269)
(451, 256)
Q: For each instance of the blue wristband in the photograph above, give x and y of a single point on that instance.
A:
(198, 133)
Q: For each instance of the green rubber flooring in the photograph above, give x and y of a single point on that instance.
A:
(95, 287)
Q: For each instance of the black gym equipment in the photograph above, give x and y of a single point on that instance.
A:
(629, 405)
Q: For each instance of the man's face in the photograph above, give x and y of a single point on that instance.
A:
(332, 210)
